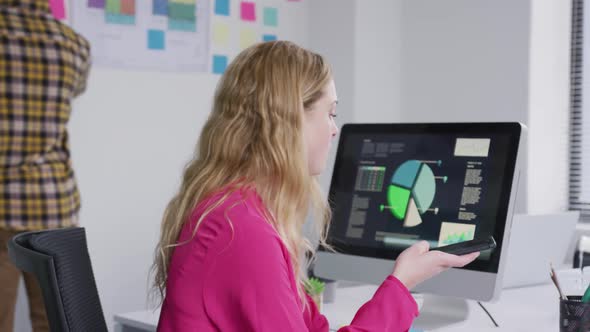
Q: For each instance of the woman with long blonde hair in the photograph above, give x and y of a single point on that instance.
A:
(230, 255)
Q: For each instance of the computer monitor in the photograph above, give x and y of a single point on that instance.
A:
(395, 184)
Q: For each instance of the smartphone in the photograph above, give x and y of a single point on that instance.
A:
(468, 247)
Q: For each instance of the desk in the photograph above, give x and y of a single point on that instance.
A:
(521, 309)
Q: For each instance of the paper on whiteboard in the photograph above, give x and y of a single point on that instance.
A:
(168, 35)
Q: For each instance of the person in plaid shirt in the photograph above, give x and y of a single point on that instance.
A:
(43, 65)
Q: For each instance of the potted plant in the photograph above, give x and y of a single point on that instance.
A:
(315, 289)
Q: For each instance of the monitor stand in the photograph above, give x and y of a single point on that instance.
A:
(439, 311)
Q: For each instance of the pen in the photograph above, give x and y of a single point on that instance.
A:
(554, 279)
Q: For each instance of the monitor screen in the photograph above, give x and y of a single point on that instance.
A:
(396, 184)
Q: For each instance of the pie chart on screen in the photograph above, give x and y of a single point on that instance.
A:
(411, 191)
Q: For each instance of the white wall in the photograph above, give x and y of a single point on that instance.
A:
(465, 60)
(549, 106)
(377, 63)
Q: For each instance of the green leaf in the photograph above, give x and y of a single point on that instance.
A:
(314, 286)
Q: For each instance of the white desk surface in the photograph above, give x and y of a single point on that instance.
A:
(521, 309)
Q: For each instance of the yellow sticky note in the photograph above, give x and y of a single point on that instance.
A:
(247, 38)
(220, 34)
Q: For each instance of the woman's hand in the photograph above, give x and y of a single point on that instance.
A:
(417, 264)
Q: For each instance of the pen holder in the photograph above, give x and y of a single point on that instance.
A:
(574, 316)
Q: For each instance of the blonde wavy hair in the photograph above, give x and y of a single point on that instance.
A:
(254, 137)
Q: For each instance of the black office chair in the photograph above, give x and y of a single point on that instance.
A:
(59, 260)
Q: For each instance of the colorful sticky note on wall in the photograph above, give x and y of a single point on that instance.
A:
(128, 7)
(271, 16)
(180, 10)
(182, 25)
(248, 11)
(222, 7)
(269, 38)
(247, 38)
(58, 9)
(220, 34)
(219, 64)
(96, 4)
(156, 39)
(160, 7)
(113, 6)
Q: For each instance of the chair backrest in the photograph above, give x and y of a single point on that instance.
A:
(60, 261)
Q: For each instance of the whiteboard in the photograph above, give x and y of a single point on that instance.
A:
(159, 35)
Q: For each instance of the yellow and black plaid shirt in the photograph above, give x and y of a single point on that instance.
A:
(43, 66)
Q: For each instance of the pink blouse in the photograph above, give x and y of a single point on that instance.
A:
(235, 275)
